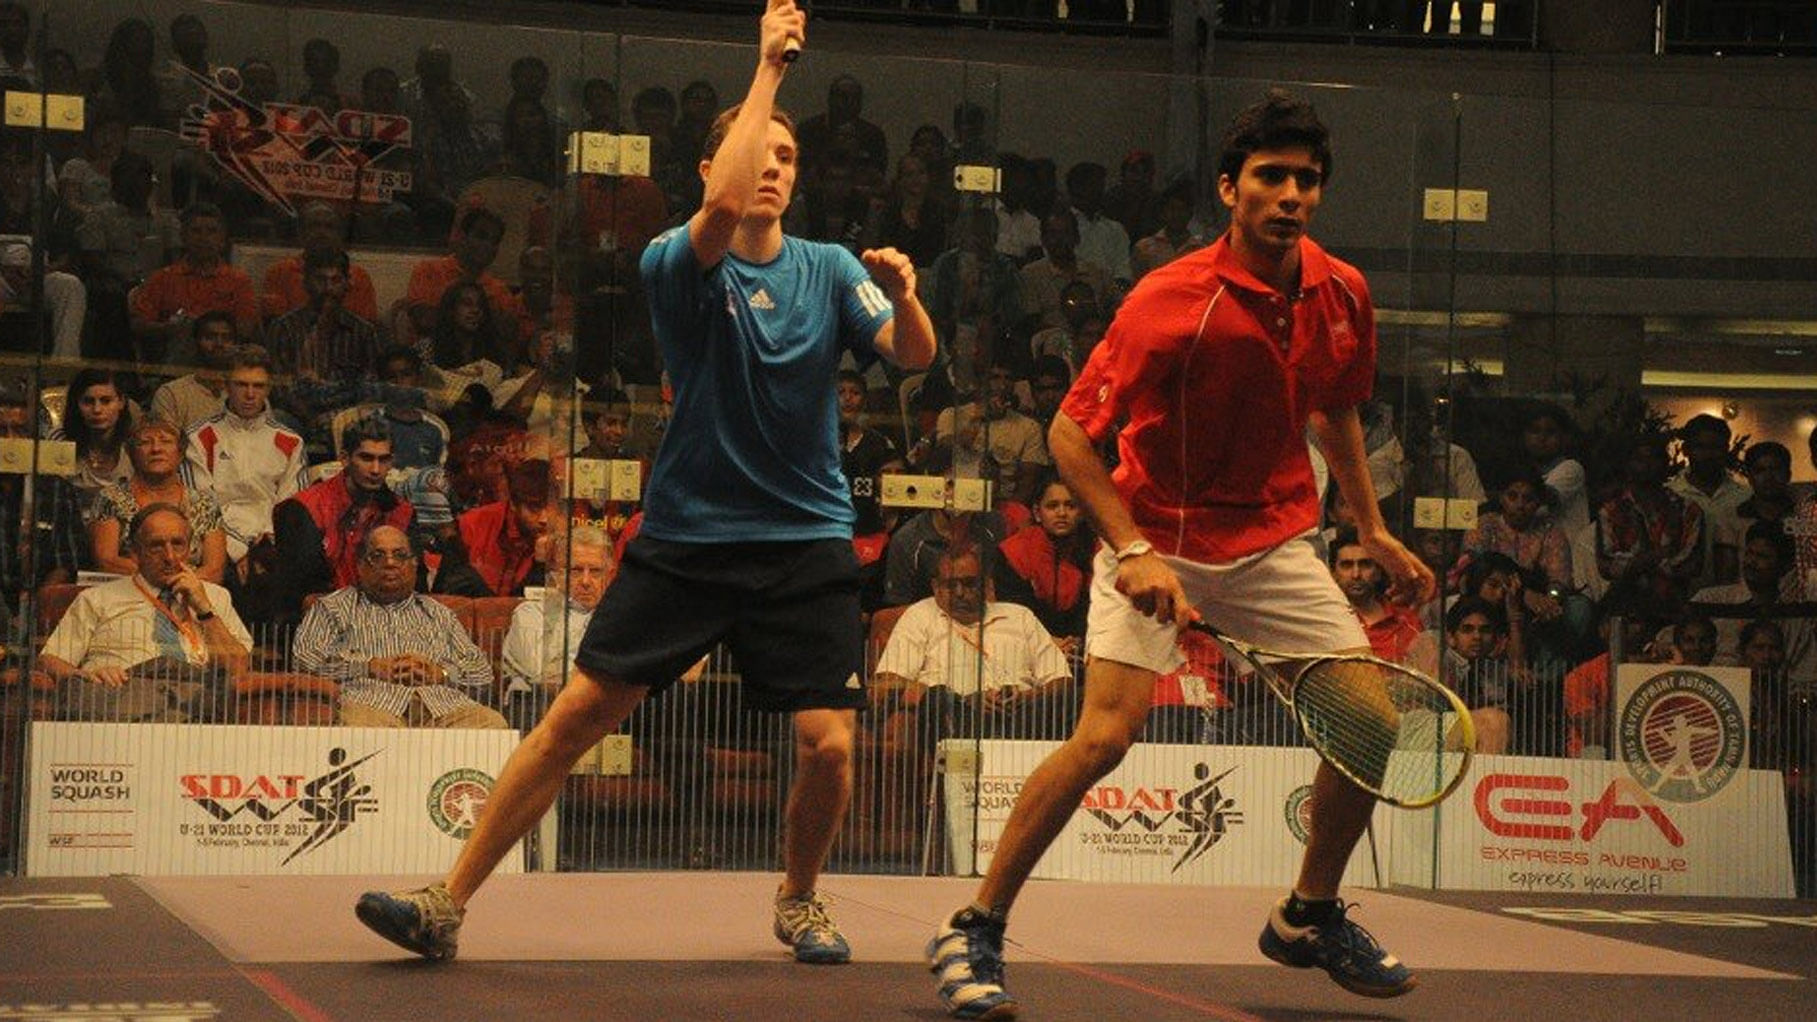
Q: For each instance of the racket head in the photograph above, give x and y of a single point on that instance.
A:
(1390, 729)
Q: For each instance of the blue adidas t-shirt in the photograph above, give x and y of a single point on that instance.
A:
(752, 448)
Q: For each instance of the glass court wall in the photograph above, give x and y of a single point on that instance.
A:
(493, 187)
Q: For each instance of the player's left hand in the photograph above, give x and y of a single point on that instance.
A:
(893, 272)
(1410, 582)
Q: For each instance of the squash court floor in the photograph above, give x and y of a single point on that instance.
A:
(685, 946)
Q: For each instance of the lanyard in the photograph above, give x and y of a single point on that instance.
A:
(193, 644)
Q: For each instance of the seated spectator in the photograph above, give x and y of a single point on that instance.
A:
(1769, 588)
(1521, 527)
(201, 280)
(1768, 466)
(326, 352)
(1048, 381)
(85, 183)
(1544, 434)
(975, 289)
(1132, 201)
(1081, 330)
(155, 450)
(865, 455)
(539, 647)
(909, 216)
(318, 532)
(97, 418)
(403, 660)
(474, 247)
(419, 438)
(610, 436)
(535, 389)
(1102, 240)
(502, 546)
(127, 239)
(1390, 626)
(243, 457)
(1174, 239)
(161, 645)
(1647, 537)
(1588, 686)
(189, 399)
(1045, 278)
(1708, 482)
(1046, 566)
(1482, 665)
(319, 226)
(993, 425)
(916, 547)
(1693, 641)
(975, 667)
(470, 344)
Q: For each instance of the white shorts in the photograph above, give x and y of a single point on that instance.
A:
(1283, 598)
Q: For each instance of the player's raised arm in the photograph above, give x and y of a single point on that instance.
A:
(736, 172)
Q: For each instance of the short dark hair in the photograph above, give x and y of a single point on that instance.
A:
(325, 257)
(1774, 533)
(1346, 536)
(852, 376)
(370, 428)
(145, 513)
(528, 482)
(1764, 449)
(716, 135)
(1702, 424)
(1279, 121)
(1468, 605)
(477, 214)
(213, 316)
(365, 544)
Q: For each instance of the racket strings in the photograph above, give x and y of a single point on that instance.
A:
(1392, 730)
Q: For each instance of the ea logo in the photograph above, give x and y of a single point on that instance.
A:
(1683, 736)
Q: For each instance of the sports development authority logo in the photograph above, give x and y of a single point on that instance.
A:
(1189, 821)
(1298, 810)
(455, 800)
(1681, 735)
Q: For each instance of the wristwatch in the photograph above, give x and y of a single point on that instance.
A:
(1136, 549)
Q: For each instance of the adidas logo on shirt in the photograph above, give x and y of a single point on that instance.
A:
(761, 300)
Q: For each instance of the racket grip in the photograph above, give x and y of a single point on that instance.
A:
(791, 50)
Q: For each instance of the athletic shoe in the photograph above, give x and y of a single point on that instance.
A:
(1341, 948)
(425, 921)
(967, 954)
(802, 924)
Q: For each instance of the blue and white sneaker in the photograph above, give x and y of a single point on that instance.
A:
(425, 921)
(1342, 948)
(967, 954)
(803, 924)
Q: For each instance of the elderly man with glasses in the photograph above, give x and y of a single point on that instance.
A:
(403, 660)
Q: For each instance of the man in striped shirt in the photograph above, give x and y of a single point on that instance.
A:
(402, 658)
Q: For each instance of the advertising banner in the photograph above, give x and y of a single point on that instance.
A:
(184, 799)
(1590, 826)
(1175, 814)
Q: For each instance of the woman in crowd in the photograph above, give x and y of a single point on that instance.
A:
(1046, 566)
(155, 450)
(1521, 526)
(912, 218)
(97, 417)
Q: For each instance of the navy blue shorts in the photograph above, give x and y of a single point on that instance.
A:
(788, 613)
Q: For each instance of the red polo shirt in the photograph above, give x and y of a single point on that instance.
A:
(1216, 374)
(284, 291)
(180, 288)
(496, 548)
(1390, 637)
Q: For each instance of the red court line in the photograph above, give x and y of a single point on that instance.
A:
(1210, 1008)
(299, 1007)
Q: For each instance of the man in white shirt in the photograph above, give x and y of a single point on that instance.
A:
(189, 399)
(976, 667)
(538, 653)
(1102, 240)
(242, 456)
(1769, 588)
(160, 645)
(1708, 482)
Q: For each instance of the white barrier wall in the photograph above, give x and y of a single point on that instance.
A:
(175, 799)
(1172, 814)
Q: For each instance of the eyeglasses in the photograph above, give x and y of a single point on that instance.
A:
(381, 556)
